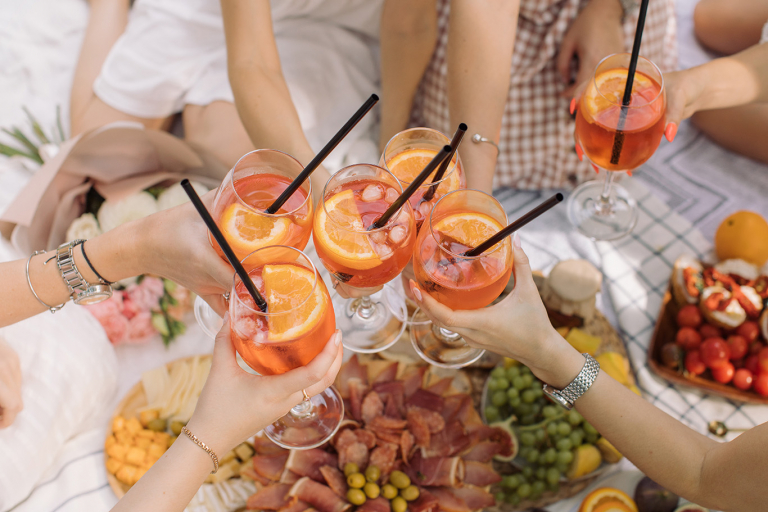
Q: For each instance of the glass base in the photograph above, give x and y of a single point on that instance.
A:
(438, 346)
(371, 327)
(207, 318)
(602, 220)
(310, 424)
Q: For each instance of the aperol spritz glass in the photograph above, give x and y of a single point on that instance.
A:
(615, 138)
(460, 221)
(298, 323)
(360, 257)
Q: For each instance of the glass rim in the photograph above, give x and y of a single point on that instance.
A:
(364, 231)
(619, 104)
(230, 181)
(258, 311)
(461, 256)
(448, 173)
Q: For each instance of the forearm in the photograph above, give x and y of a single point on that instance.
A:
(407, 37)
(481, 39)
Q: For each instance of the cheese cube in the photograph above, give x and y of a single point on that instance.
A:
(135, 455)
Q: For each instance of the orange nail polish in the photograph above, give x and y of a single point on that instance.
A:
(573, 105)
(597, 169)
(629, 173)
(579, 152)
(670, 132)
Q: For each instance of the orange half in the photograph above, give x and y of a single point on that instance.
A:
(408, 164)
(342, 235)
(600, 499)
(247, 231)
(287, 288)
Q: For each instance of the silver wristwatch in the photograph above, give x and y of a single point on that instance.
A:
(80, 290)
(583, 381)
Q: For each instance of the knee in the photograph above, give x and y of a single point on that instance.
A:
(706, 22)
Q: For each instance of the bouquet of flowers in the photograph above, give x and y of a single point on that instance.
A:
(145, 306)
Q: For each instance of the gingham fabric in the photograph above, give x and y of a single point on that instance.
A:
(536, 140)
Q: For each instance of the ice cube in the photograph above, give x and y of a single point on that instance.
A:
(402, 217)
(424, 209)
(391, 195)
(378, 237)
(397, 234)
(372, 193)
(383, 251)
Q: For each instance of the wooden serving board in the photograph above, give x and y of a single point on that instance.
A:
(665, 331)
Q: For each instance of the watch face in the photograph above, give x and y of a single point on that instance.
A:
(93, 295)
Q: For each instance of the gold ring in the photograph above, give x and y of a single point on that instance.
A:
(306, 396)
(335, 284)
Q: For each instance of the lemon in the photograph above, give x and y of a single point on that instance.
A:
(609, 452)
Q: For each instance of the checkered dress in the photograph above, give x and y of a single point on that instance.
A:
(537, 149)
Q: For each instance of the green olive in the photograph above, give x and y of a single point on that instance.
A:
(398, 504)
(372, 490)
(350, 467)
(158, 425)
(399, 479)
(176, 427)
(356, 497)
(356, 480)
(372, 473)
(389, 491)
(410, 493)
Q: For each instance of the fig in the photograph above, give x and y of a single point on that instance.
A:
(651, 497)
(690, 507)
(672, 355)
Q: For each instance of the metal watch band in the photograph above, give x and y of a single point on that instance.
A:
(578, 386)
(65, 260)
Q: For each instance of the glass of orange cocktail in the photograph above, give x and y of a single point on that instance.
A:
(360, 257)
(253, 184)
(296, 326)
(460, 221)
(615, 137)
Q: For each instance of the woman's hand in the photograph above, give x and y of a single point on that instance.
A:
(234, 404)
(595, 33)
(10, 385)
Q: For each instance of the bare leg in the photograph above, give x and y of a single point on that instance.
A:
(217, 129)
(108, 19)
(740, 129)
(729, 26)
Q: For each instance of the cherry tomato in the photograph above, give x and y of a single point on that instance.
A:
(694, 364)
(743, 378)
(750, 330)
(760, 385)
(762, 360)
(714, 352)
(755, 347)
(689, 316)
(738, 346)
(724, 374)
(688, 338)
(709, 331)
(751, 364)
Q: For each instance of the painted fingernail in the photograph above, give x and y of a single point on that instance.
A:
(573, 105)
(629, 173)
(597, 170)
(671, 131)
(516, 241)
(415, 290)
(337, 339)
(579, 152)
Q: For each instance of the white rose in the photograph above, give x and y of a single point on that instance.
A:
(175, 195)
(113, 214)
(85, 226)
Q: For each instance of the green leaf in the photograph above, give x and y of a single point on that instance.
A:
(9, 151)
(18, 135)
(36, 127)
(169, 285)
(62, 137)
(160, 324)
(155, 191)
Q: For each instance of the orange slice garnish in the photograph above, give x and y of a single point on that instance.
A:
(470, 229)
(341, 232)
(607, 90)
(598, 499)
(286, 290)
(247, 231)
(407, 165)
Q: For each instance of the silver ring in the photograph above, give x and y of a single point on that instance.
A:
(478, 139)
(226, 296)
(335, 284)
(306, 396)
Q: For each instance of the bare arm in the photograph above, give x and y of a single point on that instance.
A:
(481, 37)
(261, 94)
(408, 35)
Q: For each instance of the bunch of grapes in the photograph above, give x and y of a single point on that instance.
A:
(548, 434)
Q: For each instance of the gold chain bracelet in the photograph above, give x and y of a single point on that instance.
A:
(204, 446)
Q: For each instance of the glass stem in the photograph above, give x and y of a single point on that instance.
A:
(448, 337)
(605, 205)
(303, 409)
(365, 308)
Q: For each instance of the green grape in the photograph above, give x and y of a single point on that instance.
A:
(513, 393)
(513, 499)
(562, 467)
(551, 429)
(527, 439)
(550, 455)
(491, 414)
(574, 418)
(563, 428)
(564, 444)
(576, 437)
(536, 409)
(512, 372)
(553, 476)
(515, 402)
(541, 473)
(540, 434)
(533, 456)
(519, 383)
(538, 487)
(590, 437)
(537, 391)
(564, 457)
(542, 459)
(498, 372)
(524, 490)
(549, 411)
(502, 383)
(510, 481)
(528, 419)
(492, 384)
(523, 452)
(528, 396)
(499, 398)
(528, 472)
(524, 370)
(528, 380)
(499, 497)
(524, 408)
(589, 429)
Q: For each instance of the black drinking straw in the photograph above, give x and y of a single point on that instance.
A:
(421, 178)
(460, 131)
(228, 252)
(618, 141)
(514, 226)
(322, 154)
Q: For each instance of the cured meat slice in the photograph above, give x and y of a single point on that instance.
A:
(485, 440)
(479, 474)
(271, 497)
(406, 445)
(394, 390)
(436, 471)
(418, 427)
(433, 420)
(483, 451)
(270, 466)
(391, 409)
(426, 400)
(388, 374)
(387, 423)
(253, 475)
(441, 387)
(366, 437)
(308, 462)
(452, 405)
(289, 477)
(448, 501)
(378, 505)
(264, 446)
(318, 496)
(475, 497)
(352, 369)
(389, 436)
(356, 452)
(414, 381)
(335, 480)
(468, 415)
(372, 407)
(299, 506)
(449, 441)
(426, 502)
(357, 391)
(343, 439)
(383, 457)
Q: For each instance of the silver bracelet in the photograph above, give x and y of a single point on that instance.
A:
(52, 309)
(479, 139)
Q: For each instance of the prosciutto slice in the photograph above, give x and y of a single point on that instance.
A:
(479, 474)
(270, 466)
(383, 457)
(426, 400)
(407, 442)
(448, 501)
(378, 505)
(426, 502)
(318, 496)
(355, 452)
(483, 451)
(366, 437)
(352, 369)
(335, 480)
(395, 391)
(299, 506)
(386, 423)
(490, 441)
(388, 374)
(271, 497)
(449, 441)
(289, 477)
(264, 446)
(475, 497)
(372, 407)
(452, 405)
(436, 471)
(441, 387)
(418, 427)
(391, 409)
(389, 436)
(414, 381)
(308, 462)
(357, 390)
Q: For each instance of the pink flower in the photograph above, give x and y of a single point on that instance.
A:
(116, 327)
(129, 308)
(106, 308)
(153, 284)
(181, 294)
(140, 328)
(146, 296)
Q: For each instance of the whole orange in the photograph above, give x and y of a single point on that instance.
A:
(743, 235)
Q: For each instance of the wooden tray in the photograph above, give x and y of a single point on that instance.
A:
(666, 329)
